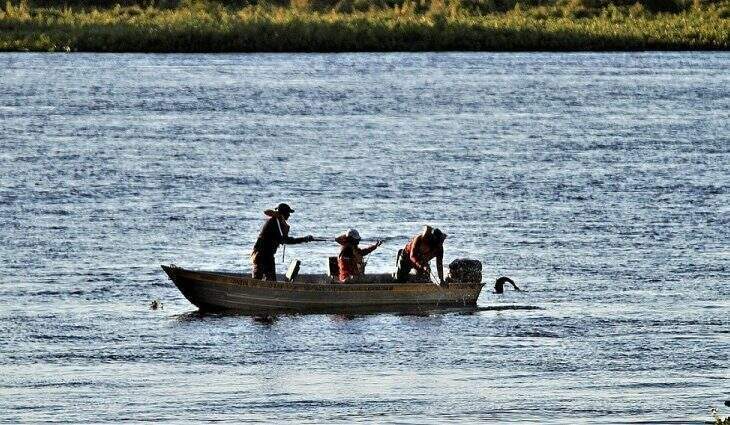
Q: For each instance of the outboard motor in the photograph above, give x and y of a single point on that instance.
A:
(465, 270)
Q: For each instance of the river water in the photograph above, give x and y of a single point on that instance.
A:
(599, 182)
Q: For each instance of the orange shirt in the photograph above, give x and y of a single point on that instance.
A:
(350, 261)
(420, 252)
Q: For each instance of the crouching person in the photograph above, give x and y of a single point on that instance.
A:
(419, 251)
(351, 261)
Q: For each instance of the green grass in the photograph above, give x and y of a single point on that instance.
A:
(351, 25)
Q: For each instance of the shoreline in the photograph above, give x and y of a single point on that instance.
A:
(256, 29)
(234, 53)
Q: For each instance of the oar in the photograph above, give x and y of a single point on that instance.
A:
(434, 277)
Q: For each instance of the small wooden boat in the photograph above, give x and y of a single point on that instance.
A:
(215, 291)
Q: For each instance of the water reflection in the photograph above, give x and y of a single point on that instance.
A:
(568, 172)
(352, 313)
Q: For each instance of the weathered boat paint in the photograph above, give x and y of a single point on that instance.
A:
(214, 291)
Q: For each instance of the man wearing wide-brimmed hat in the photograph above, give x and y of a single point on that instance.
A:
(274, 233)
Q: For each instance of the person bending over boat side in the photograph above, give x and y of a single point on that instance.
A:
(274, 233)
(419, 251)
(351, 261)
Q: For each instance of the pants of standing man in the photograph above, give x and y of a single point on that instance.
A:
(264, 266)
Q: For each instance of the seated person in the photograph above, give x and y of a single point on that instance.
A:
(350, 260)
(419, 251)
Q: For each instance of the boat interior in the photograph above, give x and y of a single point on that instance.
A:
(333, 272)
(293, 275)
(326, 279)
(460, 270)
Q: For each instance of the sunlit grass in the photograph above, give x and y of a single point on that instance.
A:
(197, 26)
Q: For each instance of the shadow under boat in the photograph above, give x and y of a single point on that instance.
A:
(263, 316)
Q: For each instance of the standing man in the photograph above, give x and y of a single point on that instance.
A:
(419, 251)
(274, 233)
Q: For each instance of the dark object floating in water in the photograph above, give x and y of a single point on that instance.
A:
(499, 285)
(155, 304)
(221, 291)
(267, 320)
(727, 403)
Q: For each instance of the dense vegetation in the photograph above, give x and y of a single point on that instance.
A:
(363, 25)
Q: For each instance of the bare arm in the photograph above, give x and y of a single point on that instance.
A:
(371, 248)
(440, 265)
(414, 249)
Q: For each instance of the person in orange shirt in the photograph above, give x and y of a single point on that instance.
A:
(419, 251)
(351, 261)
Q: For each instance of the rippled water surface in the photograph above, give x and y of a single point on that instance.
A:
(599, 182)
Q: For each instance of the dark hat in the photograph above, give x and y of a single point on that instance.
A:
(284, 208)
(433, 234)
(439, 235)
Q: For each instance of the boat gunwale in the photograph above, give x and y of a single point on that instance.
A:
(221, 278)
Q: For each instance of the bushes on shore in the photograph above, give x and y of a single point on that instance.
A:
(364, 25)
(485, 6)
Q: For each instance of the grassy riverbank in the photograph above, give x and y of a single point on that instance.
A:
(364, 25)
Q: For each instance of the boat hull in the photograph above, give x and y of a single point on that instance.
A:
(216, 291)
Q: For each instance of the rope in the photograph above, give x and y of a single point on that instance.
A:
(329, 239)
(365, 260)
(434, 277)
(281, 234)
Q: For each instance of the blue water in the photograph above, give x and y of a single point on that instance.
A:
(599, 182)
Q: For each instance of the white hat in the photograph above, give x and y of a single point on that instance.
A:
(353, 234)
(349, 235)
